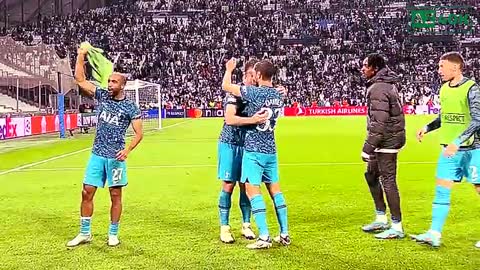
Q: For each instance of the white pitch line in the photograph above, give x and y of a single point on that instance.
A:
(188, 166)
(29, 165)
(12, 146)
(43, 161)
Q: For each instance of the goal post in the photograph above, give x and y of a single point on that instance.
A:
(148, 98)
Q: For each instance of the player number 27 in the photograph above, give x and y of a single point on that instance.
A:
(272, 117)
(117, 175)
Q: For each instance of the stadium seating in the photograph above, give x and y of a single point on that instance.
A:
(317, 44)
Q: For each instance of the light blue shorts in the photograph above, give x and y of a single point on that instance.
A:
(101, 170)
(258, 168)
(229, 162)
(464, 164)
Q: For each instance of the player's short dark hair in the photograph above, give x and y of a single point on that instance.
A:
(266, 68)
(250, 64)
(455, 58)
(376, 60)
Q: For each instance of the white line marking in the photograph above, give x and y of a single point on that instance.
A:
(187, 166)
(43, 161)
(13, 146)
(26, 166)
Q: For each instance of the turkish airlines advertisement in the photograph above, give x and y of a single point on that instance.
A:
(16, 127)
(325, 111)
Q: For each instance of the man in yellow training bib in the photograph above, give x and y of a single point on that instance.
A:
(459, 128)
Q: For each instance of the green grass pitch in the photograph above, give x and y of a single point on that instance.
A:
(170, 218)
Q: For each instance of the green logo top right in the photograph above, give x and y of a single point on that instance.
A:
(442, 20)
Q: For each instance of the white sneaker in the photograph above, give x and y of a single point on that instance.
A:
(260, 244)
(80, 239)
(226, 235)
(113, 240)
(477, 245)
(247, 231)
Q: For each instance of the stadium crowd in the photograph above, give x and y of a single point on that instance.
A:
(317, 45)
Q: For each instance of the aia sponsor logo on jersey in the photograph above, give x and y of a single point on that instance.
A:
(112, 119)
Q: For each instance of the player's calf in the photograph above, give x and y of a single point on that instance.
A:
(115, 214)
(372, 176)
(281, 212)
(246, 209)
(224, 205)
(86, 211)
(259, 214)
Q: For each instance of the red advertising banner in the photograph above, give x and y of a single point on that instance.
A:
(51, 123)
(25, 126)
(197, 113)
(325, 111)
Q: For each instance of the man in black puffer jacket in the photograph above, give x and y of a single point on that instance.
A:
(386, 136)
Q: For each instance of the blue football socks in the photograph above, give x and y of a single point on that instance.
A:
(224, 204)
(113, 229)
(85, 228)
(245, 207)
(281, 210)
(441, 206)
(260, 216)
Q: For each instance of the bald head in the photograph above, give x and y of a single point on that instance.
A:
(119, 76)
(116, 83)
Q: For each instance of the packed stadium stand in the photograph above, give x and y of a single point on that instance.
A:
(318, 45)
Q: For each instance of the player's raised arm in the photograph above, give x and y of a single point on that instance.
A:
(227, 85)
(87, 88)
(232, 119)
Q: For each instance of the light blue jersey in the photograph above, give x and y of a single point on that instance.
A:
(260, 162)
(114, 118)
(261, 138)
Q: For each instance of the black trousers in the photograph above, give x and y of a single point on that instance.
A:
(381, 177)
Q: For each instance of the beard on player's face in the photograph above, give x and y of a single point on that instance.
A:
(114, 90)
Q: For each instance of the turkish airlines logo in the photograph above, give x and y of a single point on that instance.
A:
(300, 111)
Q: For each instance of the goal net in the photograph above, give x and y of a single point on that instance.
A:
(147, 96)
